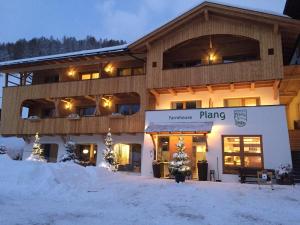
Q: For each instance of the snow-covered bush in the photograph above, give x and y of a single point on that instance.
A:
(109, 154)
(69, 154)
(73, 116)
(3, 149)
(284, 174)
(179, 166)
(37, 153)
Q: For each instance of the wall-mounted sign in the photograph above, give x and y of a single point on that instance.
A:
(240, 117)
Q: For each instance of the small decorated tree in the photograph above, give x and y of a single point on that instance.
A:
(37, 153)
(3, 149)
(69, 154)
(179, 167)
(109, 154)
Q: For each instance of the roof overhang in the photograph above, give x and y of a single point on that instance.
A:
(179, 128)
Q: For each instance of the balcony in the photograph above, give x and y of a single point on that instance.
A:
(48, 94)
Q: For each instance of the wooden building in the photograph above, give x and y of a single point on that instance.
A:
(212, 57)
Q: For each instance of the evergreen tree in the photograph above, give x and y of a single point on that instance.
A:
(3, 149)
(37, 153)
(179, 166)
(109, 154)
(69, 154)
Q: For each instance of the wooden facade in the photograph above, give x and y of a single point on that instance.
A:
(270, 31)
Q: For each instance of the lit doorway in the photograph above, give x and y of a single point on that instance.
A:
(195, 148)
(128, 157)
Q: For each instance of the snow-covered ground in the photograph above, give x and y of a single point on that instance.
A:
(33, 193)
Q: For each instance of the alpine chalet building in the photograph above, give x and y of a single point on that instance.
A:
(220, 76)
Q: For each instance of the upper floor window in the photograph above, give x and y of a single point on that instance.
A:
(128, 109)
(89, 76)
(186, 105)
(86, 111)
(239, 102)
(130, 71)
(211, 49)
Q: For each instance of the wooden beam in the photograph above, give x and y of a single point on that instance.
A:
(148, 45)
(191, 90)
(206, 16)
(172, 92)
(252, 86)
(276, 89)
(209, 88)
(156, 95)
(232, 87)
(276, 28)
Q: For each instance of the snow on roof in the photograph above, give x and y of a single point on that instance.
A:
(118, 48)
(204, 127)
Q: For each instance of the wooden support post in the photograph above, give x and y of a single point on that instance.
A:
(209, 88)
(276, 28)
(206, 16)
(172, 91)
(6, 80)
(252, 86)
(232, 87)
(191, 90)
(97, 105)
(56, 104)
(156, 95)
(276, 89)
(210, 103)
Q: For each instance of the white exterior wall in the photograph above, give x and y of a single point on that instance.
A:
(265, 94)
(85, 139)
(268, 121)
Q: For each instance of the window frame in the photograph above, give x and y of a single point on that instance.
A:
(241, 154)
(131, 71)
(225, 101)
(91, 75)
(198, 104)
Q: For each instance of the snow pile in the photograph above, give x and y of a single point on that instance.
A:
(68, 194)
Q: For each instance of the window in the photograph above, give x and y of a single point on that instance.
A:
(124, 71)
(239, 102)
(242, 151)
(89, 76)
(186, 105)
(128, 109)
(163, 148)
(138, 71)
(130, 71)
(86, 111)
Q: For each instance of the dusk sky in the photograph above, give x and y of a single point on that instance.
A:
(118, 19)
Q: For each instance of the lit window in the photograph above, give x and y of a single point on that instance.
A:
(85, 76)
(88, 76)
(242, 151)
(95, 75)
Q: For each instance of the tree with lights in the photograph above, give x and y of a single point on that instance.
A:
(69, 154)
(109, 154)
(179, 166)
(37, 153)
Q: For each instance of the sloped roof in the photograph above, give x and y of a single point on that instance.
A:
(92, 52)
(263, 16)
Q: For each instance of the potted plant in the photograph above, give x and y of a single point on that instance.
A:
(202, 170)
(156, 168)
(178, 167)
(284, 174)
